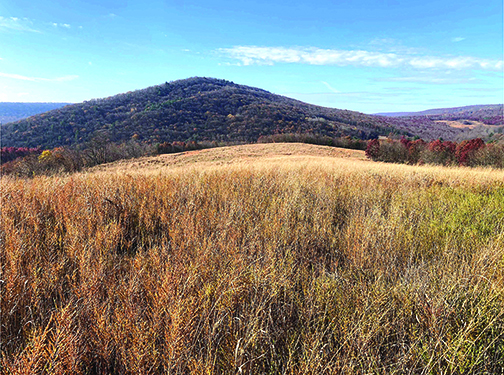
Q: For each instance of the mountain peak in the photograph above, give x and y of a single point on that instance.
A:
(203, 109)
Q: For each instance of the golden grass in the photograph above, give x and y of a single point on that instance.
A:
(226, 261)
(471, 125)
(243, 154)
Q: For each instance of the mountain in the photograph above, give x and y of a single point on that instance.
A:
(191, 109)
(16, 111)
(199, 109)
(475, 121)
(490, 114)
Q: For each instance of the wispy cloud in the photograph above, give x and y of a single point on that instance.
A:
(17, 24)
(457, 39)
(65, 25)
(393, 46)
(330, 87)
(250, 55)
(433, 80)
(36, 79)
(481, 89)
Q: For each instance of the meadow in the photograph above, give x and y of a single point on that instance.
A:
(279, 259)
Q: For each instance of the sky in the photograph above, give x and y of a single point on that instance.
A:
(369, 56)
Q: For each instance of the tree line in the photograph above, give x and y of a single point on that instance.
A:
(473, 152)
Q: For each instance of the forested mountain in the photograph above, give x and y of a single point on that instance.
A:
(491, 114)
(458, 123)
(16, 111)
(191, 109)
(205, 109)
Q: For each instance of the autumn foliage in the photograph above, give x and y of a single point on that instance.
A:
(466, 150)
(469, 153)
(10, 153)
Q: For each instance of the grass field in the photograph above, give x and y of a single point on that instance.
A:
(272, 258)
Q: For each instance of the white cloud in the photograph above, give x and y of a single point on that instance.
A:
(62, 79)
(36, 79)
(330, 87)
(461, 62)
(17, 24)
(457, 39)
(254, 55)
(17, 76)
(65, 25)
(393, 46)
(313, 56)
(433, 80)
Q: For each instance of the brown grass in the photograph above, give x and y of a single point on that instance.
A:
(231, 155)
(233, 262)
(470, 125)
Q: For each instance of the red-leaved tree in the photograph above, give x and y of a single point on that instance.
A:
(466, 150)
(373, 149)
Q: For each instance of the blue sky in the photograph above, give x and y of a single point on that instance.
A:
(370, 56)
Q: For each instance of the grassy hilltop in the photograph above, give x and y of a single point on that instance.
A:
(256, 259)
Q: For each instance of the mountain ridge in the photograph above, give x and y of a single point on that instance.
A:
(205, 109)
(191, 109)
(444, 111)
(14, 111)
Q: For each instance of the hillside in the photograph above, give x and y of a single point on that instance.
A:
(191, 109)
(491, 114)
(482, 111)
(207, 109)
(476, 121)
(10, 112)
(231, 155)
(254, 259)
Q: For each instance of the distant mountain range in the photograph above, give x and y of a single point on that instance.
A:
(10, 112)
(479, 111)
(216, 110)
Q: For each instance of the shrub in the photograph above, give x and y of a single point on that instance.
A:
(11, 153)
(439, 152)
(466, 150)
(390, 150)
(393, 151)
(415, 149)
(373, 149)
(490, 155)
(471, 152)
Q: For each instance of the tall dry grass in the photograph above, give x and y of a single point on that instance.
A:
(306, 267)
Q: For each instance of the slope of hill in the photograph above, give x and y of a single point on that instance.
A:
(190, 109)
(459, 123)
(492, 114)
(307, 263)
(207, 109)
(10, 112)
(230, 155)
